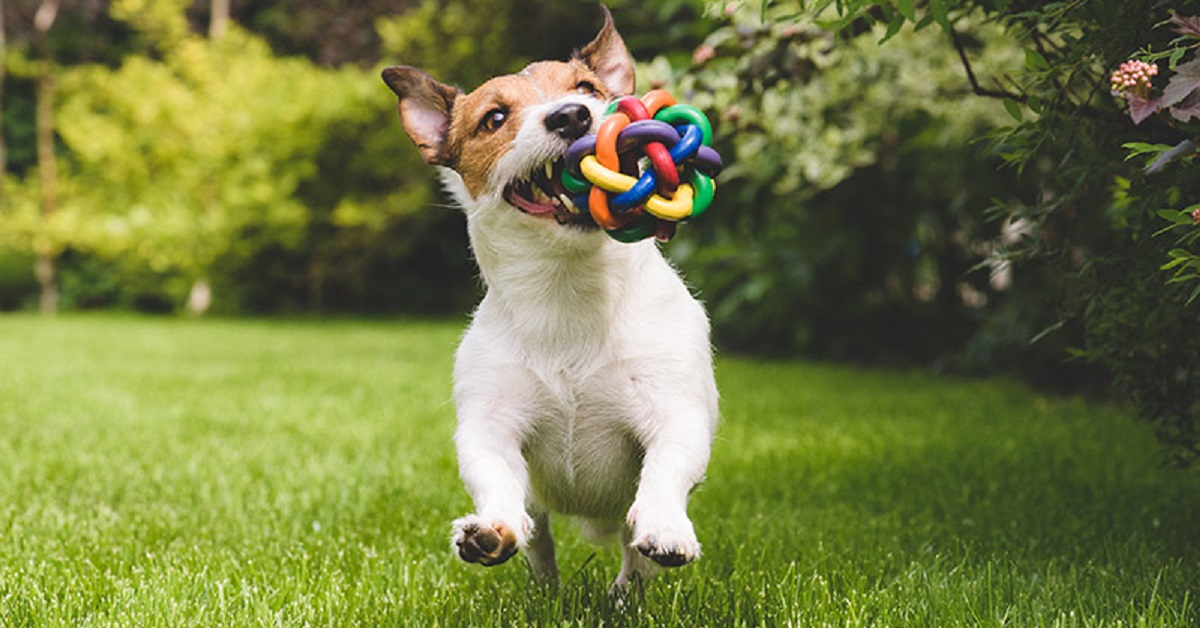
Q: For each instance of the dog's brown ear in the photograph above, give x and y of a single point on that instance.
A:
(425, 106)
(608, 57)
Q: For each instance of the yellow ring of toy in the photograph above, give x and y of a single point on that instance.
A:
(676, 208)
(607, 180)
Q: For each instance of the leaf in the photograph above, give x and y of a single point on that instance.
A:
(905, 7)
(1137, 149)
(940, 13)
(1187, 26)
(1185, 81)
(1176, 55)
(1189, 108)
(1035, 61)
(1182, 149)
(1013, 109)
(1195, 293)
(1175, 216)
(893, 27)
(1047, 331)
(1140, 108)
(1178, 261)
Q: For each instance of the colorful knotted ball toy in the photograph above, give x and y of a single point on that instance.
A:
(649, 166)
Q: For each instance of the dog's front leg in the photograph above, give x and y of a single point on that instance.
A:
(495, 475)
(677, 441)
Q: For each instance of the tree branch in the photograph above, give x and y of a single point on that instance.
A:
(1069, 105)
(975, 86)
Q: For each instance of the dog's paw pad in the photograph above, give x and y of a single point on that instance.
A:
(487, 545)
(667, 551)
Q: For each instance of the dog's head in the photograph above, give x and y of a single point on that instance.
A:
(506, 139)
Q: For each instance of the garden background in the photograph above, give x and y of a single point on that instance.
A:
(944, 189)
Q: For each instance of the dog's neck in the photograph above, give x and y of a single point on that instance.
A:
(558, 289)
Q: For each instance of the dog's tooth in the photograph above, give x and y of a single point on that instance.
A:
(568, 203)
(549, 167)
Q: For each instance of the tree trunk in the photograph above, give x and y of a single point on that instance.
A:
(218, 22)
(3, 76)
(200, 296)
(47, 166)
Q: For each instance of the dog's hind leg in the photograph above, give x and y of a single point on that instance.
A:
(539, 550)
(635, 567)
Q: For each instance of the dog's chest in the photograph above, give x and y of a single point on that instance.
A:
(583, 456)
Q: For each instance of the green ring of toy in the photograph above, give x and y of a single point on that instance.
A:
(706, 189)
(641, 228)
(687, 114)
(574, 185)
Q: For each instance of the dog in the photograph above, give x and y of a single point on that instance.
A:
(584, 383)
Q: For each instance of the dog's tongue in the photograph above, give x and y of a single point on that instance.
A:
(527, 205)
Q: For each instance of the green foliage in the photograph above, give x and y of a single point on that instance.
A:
(853, 204)
(1092, 220)
(268, 175)
(465, 42)
(451, 41)
(213, 150)
(286, 185)
(317, 489)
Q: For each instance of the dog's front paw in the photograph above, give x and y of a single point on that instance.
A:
(488, 544)
(667, 545)
(667, 549)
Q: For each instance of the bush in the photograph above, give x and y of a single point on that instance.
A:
(853, 206)
(1101, 251)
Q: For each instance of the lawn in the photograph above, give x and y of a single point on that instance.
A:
(170, 472)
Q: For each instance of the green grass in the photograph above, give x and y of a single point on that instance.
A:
(158, 472)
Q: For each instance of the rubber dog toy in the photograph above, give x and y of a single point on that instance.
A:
(649, 166)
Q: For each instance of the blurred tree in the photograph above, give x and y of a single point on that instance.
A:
(218, 21)
(172, 160)
(200, 296)
(43, 21)
(41, 38)
(3, 78)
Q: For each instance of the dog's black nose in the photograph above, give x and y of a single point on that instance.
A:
(571, 121)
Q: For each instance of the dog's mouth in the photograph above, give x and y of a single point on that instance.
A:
(541, 193)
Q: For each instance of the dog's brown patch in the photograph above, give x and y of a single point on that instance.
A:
(470, 133)
(474, 147)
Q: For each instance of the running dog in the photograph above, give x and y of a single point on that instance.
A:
(584, 384)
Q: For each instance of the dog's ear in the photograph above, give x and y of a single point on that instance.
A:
(608, 57)
(425, 106)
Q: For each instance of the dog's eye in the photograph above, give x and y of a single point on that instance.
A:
(493, 119)
(585, 87)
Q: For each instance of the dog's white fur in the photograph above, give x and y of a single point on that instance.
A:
(584, 384)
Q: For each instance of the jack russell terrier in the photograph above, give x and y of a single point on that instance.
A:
(584, 384)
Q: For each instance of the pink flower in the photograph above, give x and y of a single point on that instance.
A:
(703, 53)
(1196, 216)
(1134, 78)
